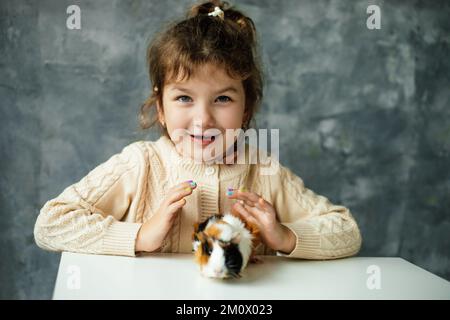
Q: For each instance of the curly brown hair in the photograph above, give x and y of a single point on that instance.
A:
(229, 41)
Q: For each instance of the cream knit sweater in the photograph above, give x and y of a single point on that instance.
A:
(102, 213)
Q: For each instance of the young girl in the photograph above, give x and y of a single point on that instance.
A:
(205, 75)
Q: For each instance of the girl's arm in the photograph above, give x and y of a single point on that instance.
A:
(322, 230)
(85, 216)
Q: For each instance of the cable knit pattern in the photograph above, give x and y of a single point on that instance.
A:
(317, 223)
(74, 222)
(102, 213)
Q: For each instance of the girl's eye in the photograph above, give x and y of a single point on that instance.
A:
(183, 98)
(224, 98)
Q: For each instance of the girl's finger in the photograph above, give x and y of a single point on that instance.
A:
(189, 184)
(174, 207)
(180, 191)
(249, 197)
(263, 216)
(255, 211)
(259, 204)
(247, 216)
(246, 202)
(265, 205)
(259, 215)
(177, 196)
(256, 201)
(240, 198)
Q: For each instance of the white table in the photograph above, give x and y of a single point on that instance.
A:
(175, 276)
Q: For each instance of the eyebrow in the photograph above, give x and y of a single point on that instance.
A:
(230, 88)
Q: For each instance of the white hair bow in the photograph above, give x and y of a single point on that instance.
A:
(217, 12)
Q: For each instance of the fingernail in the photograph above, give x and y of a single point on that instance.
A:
(229, 192)
(243, 189)
(188, 189)
(192, 183)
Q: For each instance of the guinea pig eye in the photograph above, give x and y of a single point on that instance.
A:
(206, 248)
(224, 244)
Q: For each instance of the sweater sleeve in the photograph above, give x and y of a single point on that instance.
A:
(323, 230)
(85, 217)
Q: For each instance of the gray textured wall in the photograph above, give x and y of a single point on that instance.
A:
(363, 114)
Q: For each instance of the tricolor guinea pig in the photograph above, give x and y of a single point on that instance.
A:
(223, 245)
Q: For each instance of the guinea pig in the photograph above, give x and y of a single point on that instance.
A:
(223, 245)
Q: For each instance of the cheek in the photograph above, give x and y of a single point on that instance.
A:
(231, 118)
(173, 114)
(176, 118)
(201, 259)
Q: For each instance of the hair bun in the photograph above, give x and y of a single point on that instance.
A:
(243, 23)
(206, 7)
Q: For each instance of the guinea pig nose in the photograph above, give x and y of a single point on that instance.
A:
(218, 270)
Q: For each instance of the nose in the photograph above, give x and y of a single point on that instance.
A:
(203, 115)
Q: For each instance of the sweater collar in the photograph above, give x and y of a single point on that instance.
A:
(167, 147)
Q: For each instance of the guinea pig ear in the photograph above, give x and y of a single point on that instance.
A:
(236, 238)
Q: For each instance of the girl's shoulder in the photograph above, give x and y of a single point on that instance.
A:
(270, 169)
(141, 146)
(140, 152)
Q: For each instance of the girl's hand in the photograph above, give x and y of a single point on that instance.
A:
(152, 233)
(260, 212)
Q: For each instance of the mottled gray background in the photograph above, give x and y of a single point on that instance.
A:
(363, 114)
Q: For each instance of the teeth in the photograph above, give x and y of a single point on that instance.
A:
(203, 137)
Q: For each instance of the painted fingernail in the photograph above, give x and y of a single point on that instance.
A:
(192, 183)
(188, 189)
(229, 192)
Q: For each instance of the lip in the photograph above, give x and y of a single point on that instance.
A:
(202, 142)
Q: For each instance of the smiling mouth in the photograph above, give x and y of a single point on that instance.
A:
(202, 141)
(203, 138)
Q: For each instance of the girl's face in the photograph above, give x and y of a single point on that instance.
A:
(206, 105)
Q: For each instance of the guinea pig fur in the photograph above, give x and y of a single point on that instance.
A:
(223, 244)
